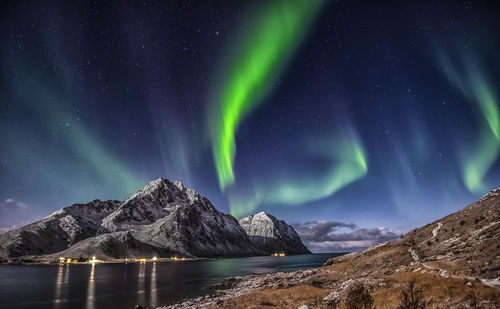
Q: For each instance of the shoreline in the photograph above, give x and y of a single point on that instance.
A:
(37, 260)
(328, 286)
(27, 261)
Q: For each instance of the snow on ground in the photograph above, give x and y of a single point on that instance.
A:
(491, 282)
(413, 254)
(436, 229)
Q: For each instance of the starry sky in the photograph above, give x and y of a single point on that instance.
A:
(354, 120)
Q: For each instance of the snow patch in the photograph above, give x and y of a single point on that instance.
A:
(436, 229)
(414, 255)
(477, 232)
(491, 282)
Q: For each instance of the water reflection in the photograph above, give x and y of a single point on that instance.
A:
(66, 275)
(91, 289)
(221, 267)
(59, 281)
(125, 285)
(153, 288)
(62, 282)
(141, 283)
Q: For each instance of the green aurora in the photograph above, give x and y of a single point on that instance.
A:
(265, 45)
(70, 132)
(478, 159)
(348, 163)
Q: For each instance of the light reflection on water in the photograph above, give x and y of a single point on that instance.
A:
(59, 282)
(141, 291)
(91, 289)
(154, 289)
(125, 285)
(62, 281)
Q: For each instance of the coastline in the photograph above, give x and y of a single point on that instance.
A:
(27, 260)
(328, 286)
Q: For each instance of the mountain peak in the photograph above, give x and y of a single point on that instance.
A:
(272, 235)
(161, 218)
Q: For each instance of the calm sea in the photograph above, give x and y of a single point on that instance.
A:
(125, 285)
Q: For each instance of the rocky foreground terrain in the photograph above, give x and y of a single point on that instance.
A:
(163, 219)
(454, 261)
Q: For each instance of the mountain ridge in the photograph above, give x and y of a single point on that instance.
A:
(161, 219)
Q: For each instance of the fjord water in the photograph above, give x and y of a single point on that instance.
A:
(125, 285)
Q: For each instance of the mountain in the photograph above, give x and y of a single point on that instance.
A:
(272, 235)
(114, 245)
(58, 231)
(162, 219)
(156, 200)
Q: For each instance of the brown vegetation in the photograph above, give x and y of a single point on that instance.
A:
(450, 263)
(359, 297)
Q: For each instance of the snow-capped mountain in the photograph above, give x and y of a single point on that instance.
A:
(162, 219)
(272, 235)
(58, 231)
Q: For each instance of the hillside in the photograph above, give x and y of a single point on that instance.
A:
(454, 260)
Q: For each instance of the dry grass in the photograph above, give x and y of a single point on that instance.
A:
(465, 247)
(437, 290)
(280, 298)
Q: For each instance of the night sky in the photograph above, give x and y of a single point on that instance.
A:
(357, 121)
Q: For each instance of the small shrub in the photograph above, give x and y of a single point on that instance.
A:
(359, 298)
(412, 298)
(267, 304)
(472, 300)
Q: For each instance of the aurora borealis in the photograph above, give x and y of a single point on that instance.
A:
(382, 115)
(478, 158)
(266, 44)
(348, 163)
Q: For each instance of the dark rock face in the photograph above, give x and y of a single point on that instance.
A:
(114, 245)
(272, 235)
(199, 231)
(162, 219)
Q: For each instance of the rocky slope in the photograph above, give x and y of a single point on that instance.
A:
(57, 231)
(162, 219)
(116, 245)
(272, 235)
(454, 260)
(199, 231)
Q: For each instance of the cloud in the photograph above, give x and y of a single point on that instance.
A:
(332, 236)
(11, 203)
(14, 213)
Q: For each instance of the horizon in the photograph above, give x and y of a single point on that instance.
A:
(354, 123)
